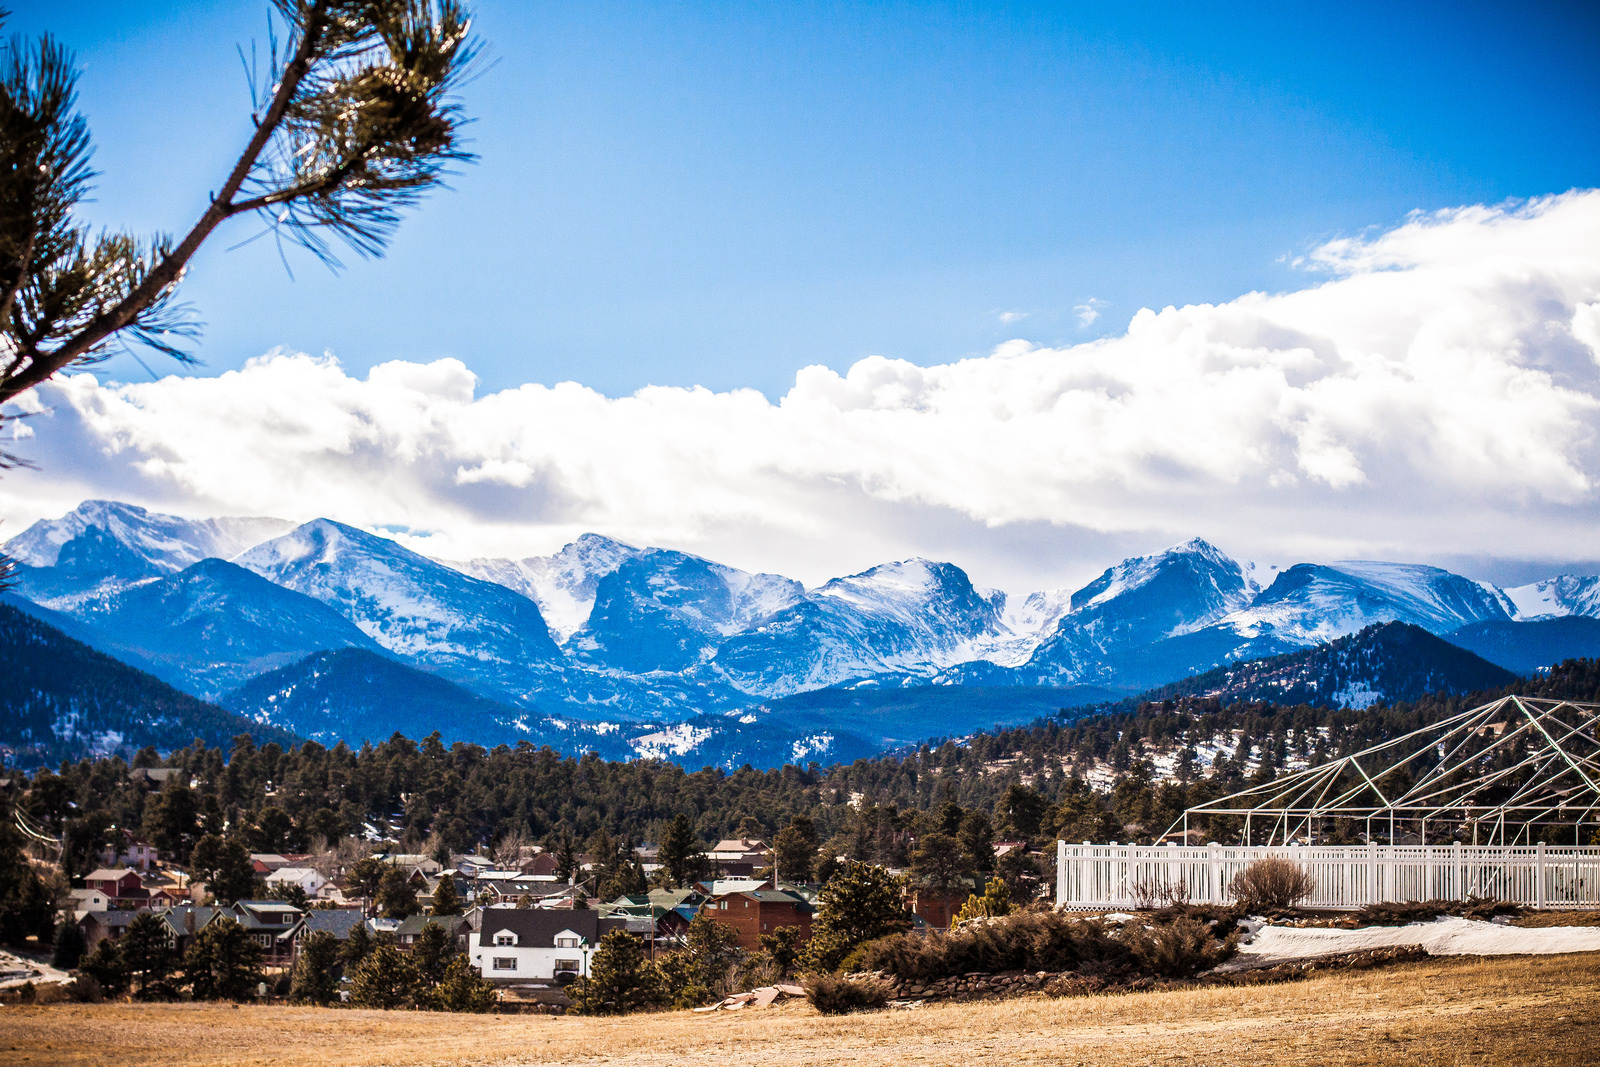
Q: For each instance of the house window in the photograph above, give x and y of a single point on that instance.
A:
(505, 939)
(566, 942)
(566, 965)
(505, 963)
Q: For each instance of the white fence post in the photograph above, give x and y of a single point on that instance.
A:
(1213, 873)
(1538, 874)
(1061, 873)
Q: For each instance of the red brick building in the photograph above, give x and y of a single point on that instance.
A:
(760, 911)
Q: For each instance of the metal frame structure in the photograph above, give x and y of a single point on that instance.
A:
(1505, 768)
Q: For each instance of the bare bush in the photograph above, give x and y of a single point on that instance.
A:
(1272, 882)
(1154, 891)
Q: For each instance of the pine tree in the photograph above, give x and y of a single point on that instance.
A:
(314, 979)
(147, 957)
(223, 962)
(356, 947)
(682, 860)
(446, 901)
(26, 907)
(794, 850)
(397, 897)
(462, 989)
(223, 864)
(860, 903)
(977, 842)
(68, 948)
(386, 979)
(620, 978)
(432, 952)
(937, 862)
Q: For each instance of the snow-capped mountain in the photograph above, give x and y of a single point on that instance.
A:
(912, 617)
(104, 544)
(1139, 602)
(1567, 594)
(607, 636)
(479, 633)
(563, 585)
(1310, 603)
(670, 611)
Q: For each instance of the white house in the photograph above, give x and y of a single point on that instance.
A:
(308, 879)
(538, 944)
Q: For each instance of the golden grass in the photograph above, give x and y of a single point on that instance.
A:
(1520, 1010)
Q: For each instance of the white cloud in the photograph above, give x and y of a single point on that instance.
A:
(1088, 312)
(1008, 317)
(1434, 390)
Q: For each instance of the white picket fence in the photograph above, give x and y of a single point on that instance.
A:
(1347, 876)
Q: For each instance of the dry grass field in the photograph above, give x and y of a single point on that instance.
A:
(1519, 1011)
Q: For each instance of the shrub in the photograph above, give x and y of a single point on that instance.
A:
(994, 903)
(1181, 948)
(833, 994)
(1272, 882)
(1033, 940)
(1397, 913)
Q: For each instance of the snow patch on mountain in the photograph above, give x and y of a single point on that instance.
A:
(563, 584)
(678, 740)
(1567, 594)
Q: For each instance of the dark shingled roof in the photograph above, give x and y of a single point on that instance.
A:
(538, 927)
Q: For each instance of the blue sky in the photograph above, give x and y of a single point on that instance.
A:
(719, 194)
(854, 210)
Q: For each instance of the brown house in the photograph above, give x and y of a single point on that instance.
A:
(760, 911)
(936, 909)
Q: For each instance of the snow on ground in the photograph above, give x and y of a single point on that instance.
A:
(15, 970)
(1443, 937)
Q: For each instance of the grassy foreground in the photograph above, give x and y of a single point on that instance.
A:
(1517, 1010)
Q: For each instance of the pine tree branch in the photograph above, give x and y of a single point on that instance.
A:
(165, 274)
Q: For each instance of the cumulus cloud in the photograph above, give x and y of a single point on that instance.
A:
(1434, 389)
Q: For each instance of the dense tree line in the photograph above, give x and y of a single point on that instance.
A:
(935, 807)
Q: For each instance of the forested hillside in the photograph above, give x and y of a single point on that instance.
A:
(64, 700)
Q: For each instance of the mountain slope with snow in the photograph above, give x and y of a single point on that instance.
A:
(104, 545)
(914, 616)
(563, 585)
(1567, 594)
(214, 625)
(1310, 603)
(476, 632)
(670, 611)
(1138, 602)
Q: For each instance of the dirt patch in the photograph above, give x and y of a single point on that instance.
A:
(1538, 919)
